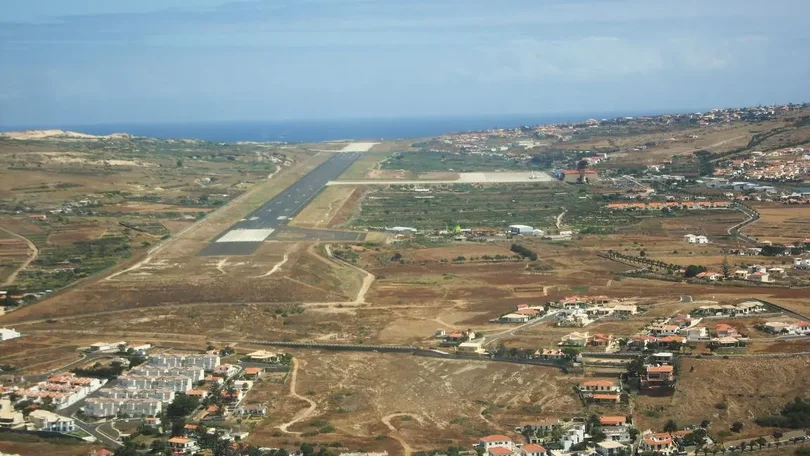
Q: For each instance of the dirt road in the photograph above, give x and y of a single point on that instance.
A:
(303, 414)
(34, 255)
(407, 450)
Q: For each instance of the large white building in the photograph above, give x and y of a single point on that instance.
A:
(44, 420)
(177, 383)
(164, 395)
(206, 361)
(105, 407)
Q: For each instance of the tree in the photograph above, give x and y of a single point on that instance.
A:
(726, 267)
(670, 426)
(693, 270)
(736, 426)
(179, 162)
(182, 405)
(761, 442)
(705, 423)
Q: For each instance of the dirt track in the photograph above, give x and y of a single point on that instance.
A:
(303, 414)
(35, 253)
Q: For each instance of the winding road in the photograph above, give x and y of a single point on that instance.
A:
(34, 255)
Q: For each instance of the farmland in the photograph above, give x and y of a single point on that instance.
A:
(89, 204)
(424, 162)
(482, 206)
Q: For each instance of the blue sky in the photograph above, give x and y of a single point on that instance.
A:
(102, 61)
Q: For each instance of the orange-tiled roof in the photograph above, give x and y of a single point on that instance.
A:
(660, 369)
(498, 450)
(599, 383)
(179, 440)
(612, 420)
(533, 448)
(610, 397)
(495, 438)
(191, 427)
(253, 370)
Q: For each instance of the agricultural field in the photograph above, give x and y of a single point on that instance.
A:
(424, 162)
(493, 206)
(89, 204)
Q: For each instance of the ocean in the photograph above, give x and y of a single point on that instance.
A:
(320, 130)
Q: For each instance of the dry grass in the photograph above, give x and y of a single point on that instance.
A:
(444, 399)
(747, 388)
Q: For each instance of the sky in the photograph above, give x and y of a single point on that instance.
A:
(179, 61)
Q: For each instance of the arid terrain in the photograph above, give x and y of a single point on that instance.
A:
(104, 240)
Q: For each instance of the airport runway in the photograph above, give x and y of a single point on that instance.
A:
(245, 236)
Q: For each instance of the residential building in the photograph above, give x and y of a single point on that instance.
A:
(725, 330)
(252, 410)
(697, 333)
(7, 334)
(574, 435)
(655, 376)
(44, 420)
(665, 330)
(183, 445)
(625, 310)
(615, 428)
(514, 317)
(532, 449)
(600, 386)
(549, 354)
(207, 361)
(496, 444)
(226, 370)
(658, 443)
(263, 356)
(576, 339)
(609, 448)
(475, 347)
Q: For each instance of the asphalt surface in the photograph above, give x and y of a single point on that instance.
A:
(276, 212)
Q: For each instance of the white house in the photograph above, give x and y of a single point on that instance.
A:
(658, 443)
(7, 333)
(609, 448)
(615, 428)
(690, 238)
(44, 420)
(496, 440)
(183, 445)
(576, 339)
(696, 333)
(514, 318)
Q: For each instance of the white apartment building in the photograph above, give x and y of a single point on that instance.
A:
(175, 383)
(44, 420)
(164, 395)
(194, 372)
(104, 407)
(206, 361)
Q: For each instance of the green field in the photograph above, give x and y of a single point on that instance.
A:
(484, 206)
(421, 162)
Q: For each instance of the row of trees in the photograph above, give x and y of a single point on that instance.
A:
(524, 252)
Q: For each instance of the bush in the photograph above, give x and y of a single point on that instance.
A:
(524, 252)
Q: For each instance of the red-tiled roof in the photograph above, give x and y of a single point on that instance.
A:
(495, 438)
(502, 451)
(612, 420)
(533, 448)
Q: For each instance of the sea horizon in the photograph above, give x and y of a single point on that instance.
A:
(306, 131)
